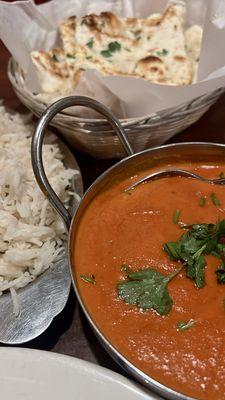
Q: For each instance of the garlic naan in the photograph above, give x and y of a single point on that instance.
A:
(154, 49)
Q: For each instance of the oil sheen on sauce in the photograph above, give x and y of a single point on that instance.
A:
(119, 228)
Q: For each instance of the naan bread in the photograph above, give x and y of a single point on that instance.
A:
(155, 49)
(193, 39)
(166, 61)
(53, 70)
(57, 71)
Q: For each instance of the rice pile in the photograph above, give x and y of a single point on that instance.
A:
(31, 233)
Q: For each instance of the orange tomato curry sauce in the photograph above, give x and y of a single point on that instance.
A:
(119, 228)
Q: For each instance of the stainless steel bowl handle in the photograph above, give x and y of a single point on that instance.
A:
(37, 141)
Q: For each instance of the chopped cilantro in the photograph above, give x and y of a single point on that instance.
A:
(221, 175)
(90, 43)
(202, 201)
(176, 216)
(201, 239)
(112, 48)
(215, 199)
(162, 53)
(70, 56)
(89, 57)
(88, 279)
(147, 288)
(219, 251)
(106, 53)
(220, 272)
(183, 326)
(127, 49)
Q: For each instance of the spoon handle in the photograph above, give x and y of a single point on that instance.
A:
(167, 173)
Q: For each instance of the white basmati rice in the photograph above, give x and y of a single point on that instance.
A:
(31, 233)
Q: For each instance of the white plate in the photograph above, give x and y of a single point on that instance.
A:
(40, 375)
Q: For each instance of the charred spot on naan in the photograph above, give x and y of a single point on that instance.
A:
(180, 58)
(107, 23)
(150, 59)
(151, 68)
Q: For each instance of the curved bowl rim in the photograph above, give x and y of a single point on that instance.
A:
(143, 378)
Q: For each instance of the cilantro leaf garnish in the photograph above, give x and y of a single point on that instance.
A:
(162, 53)
(196, 271)
(219, 250)
(183, 326)
(112, 48)
(88, 279)
(215, 199)
(70, 56)
(220, 272)
(90, 43)
(201, 239)
(106, 53)
(202, 201)
(148, 290)
(176, 216)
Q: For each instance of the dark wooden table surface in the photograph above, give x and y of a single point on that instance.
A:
(69, 333)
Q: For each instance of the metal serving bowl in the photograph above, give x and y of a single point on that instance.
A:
(95, 135)
(134, 162)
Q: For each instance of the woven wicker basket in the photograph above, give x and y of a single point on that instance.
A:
(95, 136)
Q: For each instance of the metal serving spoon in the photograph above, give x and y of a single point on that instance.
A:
(175, 172)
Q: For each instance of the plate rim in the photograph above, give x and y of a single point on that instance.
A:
(30, 354)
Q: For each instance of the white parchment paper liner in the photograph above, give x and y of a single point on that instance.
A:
(25, 27)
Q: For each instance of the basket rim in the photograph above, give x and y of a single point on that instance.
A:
(13, 67)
